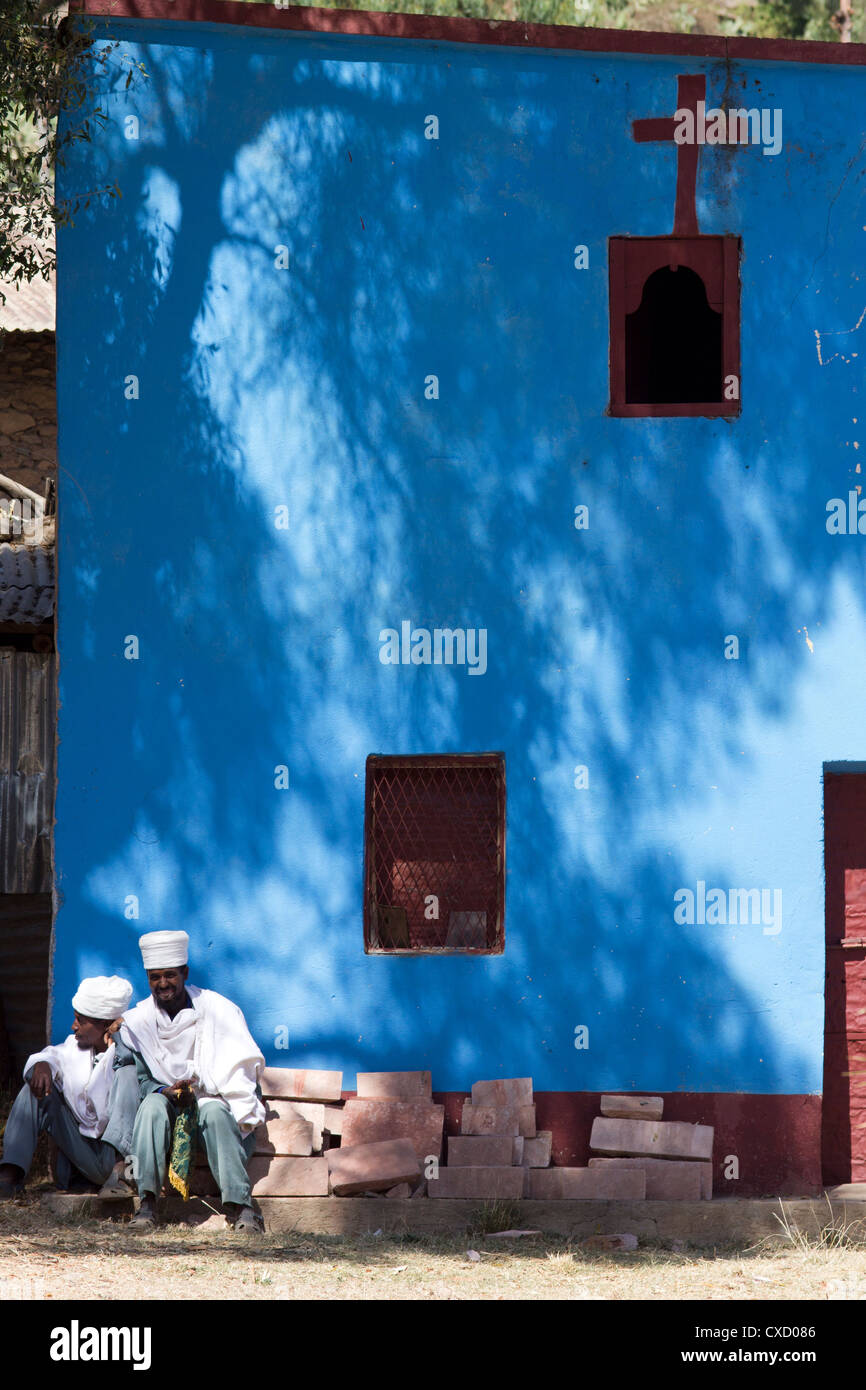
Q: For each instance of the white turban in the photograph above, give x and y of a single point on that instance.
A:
(164, 950)
(102, 997)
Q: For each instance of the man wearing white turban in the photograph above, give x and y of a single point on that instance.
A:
(198, 1069)
(74, 1094)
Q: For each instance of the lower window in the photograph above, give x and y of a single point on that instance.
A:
(434, 854)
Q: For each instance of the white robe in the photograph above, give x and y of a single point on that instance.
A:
(84, 1077)
(208, 1045)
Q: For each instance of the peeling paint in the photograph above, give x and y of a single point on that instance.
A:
(835, 334)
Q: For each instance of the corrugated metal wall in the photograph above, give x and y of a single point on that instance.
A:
(28, 707)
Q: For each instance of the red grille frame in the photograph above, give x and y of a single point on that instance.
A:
(716, 259)
(434, 829)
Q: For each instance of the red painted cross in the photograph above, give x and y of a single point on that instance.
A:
(690, 90)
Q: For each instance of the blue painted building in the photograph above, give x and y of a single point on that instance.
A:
(329, 367)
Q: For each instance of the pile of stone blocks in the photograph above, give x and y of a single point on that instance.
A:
(585, 1184)
(498, 1144)
(392, 1134)
(387, 1142)
(303, 1116)
(312, 1144)
(673, 1157)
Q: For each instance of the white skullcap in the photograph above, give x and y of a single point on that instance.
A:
(102, 997)
(164, 950)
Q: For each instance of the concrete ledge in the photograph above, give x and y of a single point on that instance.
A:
(85, 1204)
(848, 1192)
(724, 1220)
(702, 1224)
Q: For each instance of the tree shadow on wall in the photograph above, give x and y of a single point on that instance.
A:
(304, 388)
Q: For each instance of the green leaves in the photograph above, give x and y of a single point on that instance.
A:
(48, 63)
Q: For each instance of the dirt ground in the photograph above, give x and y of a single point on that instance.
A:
(46, 1256)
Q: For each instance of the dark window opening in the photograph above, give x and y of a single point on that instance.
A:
(434, 858)
(673, 342)
(675, 325)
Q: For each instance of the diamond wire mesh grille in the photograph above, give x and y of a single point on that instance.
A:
(435, 869)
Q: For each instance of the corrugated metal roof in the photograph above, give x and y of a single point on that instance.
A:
(26, 583)
(28, 704)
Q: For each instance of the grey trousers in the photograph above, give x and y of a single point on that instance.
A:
(95, 1158)
(227, 1151)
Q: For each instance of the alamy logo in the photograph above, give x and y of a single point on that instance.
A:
(736, 907)
(444, 646)
(734, 127)
(75, 1343)
(846, 519)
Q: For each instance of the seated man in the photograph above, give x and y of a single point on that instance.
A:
(198, 1070)
(75, 1094)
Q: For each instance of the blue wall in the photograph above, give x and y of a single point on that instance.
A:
(304, 387)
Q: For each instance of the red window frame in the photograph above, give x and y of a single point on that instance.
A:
(631, 261)
(406, 769)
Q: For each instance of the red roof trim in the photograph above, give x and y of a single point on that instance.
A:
(509, 33)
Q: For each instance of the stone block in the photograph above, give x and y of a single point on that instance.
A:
(308, 1110)
(78, 1205)
(402, 1189)
(481, 1150)
(294, 1083)
(667, 1179)
(632, 1107)
(651, 1139)
(395, 1085)
(371, 1121)
(284, 1133)
(14, 421)
(536, 1152)
(586, 1184)
(333, 1119)
(374, 1167)
(289, 1177)
(495, 1119)
(508, 1093)
(479, 1183)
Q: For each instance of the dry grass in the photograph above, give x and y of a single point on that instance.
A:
(836, 1233)
(493, 1216)
(44, 1256)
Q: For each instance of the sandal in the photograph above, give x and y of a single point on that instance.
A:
(115, 1189)
(249, 1222)
(145, 1218)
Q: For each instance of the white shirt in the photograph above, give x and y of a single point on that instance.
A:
(177, 1040)
(83, 1076)
(208, 1045)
